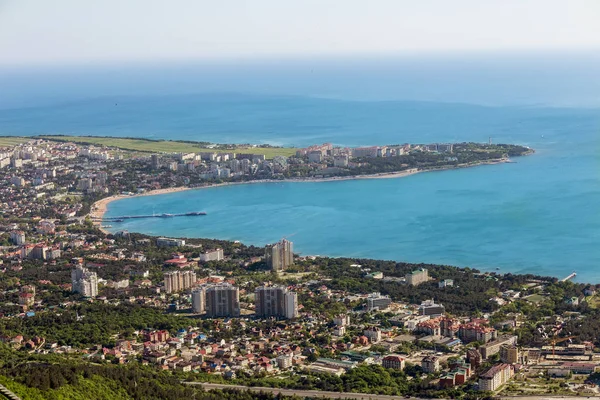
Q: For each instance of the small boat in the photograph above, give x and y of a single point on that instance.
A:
(193, 213)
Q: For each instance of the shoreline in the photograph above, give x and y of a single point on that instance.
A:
(100, 207)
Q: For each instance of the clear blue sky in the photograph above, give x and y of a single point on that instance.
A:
(34, 32)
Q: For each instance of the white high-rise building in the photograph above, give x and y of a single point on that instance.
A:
(280, 255)
(17, 237)
(84, 281)
(177, 281)
(198, 300)
(222, 300)
(276, 301)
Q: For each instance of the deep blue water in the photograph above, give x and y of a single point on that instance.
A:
(539, 215)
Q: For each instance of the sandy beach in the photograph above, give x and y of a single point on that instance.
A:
(100, 207)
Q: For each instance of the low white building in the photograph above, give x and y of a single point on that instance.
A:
(212, 255)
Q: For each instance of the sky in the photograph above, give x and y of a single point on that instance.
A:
(40, 32)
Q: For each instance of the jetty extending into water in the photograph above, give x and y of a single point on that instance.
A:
(573, 275)
(165, 215)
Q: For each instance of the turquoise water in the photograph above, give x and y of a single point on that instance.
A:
(539, 215)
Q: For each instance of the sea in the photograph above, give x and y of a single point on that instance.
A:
(539, 214)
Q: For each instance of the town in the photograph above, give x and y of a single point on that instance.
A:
(213, 311)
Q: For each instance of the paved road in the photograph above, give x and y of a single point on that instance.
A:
(355, 396)
(302, 393)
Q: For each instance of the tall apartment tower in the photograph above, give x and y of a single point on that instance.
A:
(276, 301)
(155, 161)
(198, 300)
(222, 300)
(280, 255)
(177, 281)
(84, 281)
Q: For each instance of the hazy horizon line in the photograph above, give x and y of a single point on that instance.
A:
(523, 53)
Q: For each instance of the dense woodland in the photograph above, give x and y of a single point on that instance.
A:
(46, 377)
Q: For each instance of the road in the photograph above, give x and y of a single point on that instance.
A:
(302, 393)
(354, 396)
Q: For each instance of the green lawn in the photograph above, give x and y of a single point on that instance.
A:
(12, 140)
(167, 146)
(593, 301)
(535, 298)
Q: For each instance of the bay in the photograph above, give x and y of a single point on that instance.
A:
(539, 215)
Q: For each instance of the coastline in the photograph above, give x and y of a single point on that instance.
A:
(100, 207)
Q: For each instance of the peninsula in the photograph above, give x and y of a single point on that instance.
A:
(158, 167)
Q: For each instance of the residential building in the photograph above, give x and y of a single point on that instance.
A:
(212, 255)
(375, 301)
(495, 377)
(341, 320)
(285, 361)
(84, 282)
(340, 161)
(27, 296)
(429, 307)
(430, 327)
(493, 347)
(177, 281)
(448, 380)
(417, 277)
(222, 300)
(445, 283)
(509, 354)
(315, 157)
(449, 326)
(168, 242)
(339, 330)
(155, 161)
(365, 151)
(474, 357)
(46, 227)
(412, 322)
(17, 237)
(276, 301)
(475, 332)
(393, 361)
(39, 252)
(17, 181)
(280, 256)
(373, 333)
(198, 300)
(430, 364)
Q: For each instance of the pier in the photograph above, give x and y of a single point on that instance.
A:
(573, 275)
(124, 217)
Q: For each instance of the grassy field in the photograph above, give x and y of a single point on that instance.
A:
(167, 146)
(12, 140)
(593, 301)
(535, 298)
